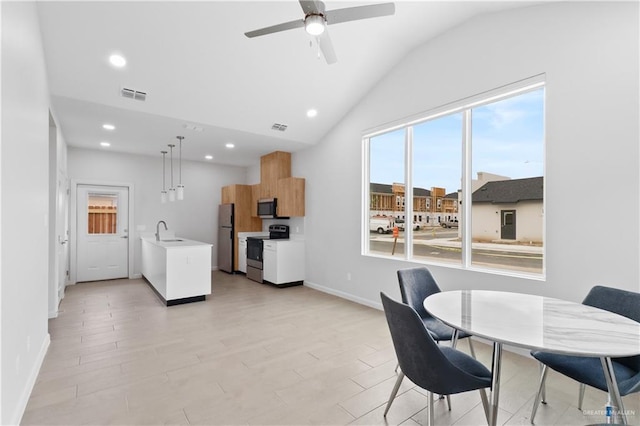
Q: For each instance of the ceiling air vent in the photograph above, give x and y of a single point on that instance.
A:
(133, 94)
(281, 127)
(193, 127)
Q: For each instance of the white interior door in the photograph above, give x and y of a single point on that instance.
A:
(103, 232)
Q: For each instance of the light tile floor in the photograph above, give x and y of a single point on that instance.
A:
(253, 354)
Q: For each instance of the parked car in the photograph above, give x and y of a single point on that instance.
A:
(381, 225)
(400, 225)
(449, 224)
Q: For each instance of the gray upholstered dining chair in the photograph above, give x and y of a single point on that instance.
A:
(435, 368)
(416, 284)
(588, 370)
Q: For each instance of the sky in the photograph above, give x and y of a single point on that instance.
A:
(507, 139)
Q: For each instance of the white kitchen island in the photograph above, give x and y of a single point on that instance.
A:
(178, 270)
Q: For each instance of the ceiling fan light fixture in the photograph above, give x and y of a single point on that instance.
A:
(314, 24)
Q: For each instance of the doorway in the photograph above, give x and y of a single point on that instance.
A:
(62, 234)
(508, 225)
(58, 220)
(102, 232)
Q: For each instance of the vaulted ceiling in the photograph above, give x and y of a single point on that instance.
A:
(206, 81)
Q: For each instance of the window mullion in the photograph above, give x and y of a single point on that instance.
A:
(408, 194)
(465, 229)
(366, 196)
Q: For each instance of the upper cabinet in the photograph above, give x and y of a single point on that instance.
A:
(276, 182)
(290, 196)
(273, 167)
(241, 196)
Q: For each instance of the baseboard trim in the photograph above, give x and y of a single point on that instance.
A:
(136, 276)
(31, 382)
(343, 295)
(53, 314)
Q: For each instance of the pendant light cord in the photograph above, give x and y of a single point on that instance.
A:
(171, 146)
(180, 162)
(164, 156)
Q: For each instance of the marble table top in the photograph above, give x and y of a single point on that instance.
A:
(537, 322)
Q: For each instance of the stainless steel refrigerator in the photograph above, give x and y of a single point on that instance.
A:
(225, 237)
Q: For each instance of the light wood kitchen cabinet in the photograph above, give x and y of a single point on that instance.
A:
(290, 194)
(255, 196)
(244, 221)
(273, 167)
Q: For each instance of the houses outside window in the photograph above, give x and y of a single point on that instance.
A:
(476, 173)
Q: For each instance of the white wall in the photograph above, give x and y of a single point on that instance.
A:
(195, 217)
(24, 221)
(589, 52)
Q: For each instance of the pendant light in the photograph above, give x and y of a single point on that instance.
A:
(172, 190)
(180, 187)
(163, 193)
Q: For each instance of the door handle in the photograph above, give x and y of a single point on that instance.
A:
(124, 237)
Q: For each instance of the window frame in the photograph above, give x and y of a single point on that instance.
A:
(464, 106)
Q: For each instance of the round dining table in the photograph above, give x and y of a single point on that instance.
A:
(540, 323)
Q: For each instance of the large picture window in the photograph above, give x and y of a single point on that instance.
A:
(462, 186)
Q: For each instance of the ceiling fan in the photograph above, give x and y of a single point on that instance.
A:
(316, 19)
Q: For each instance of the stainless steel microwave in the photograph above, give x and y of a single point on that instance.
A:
(267, 208)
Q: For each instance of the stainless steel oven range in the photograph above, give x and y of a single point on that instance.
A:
(255, 247)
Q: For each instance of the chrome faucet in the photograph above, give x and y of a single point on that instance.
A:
(158, 229)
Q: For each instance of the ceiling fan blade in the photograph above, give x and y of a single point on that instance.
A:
(359, 12)
(327, 48)
(298, 23)
(311, 6)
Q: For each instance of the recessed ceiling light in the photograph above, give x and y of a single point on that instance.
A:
(312, 113)
(117, 60)
(108, 126)
(105, 144)
(229, 145)
(208, 157)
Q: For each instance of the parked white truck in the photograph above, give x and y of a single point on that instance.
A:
(381, 224)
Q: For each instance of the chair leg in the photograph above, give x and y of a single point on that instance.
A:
(430, 419)
(543, 400)
(442, 396)
(473, 352)
(539, 397)
(485, 404)
(394, 392)
(581, 395)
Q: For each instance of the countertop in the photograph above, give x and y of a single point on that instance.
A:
(175, 244)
